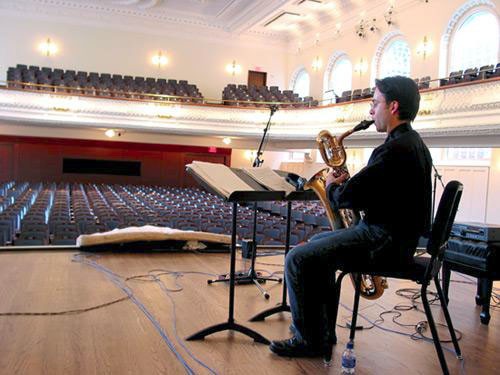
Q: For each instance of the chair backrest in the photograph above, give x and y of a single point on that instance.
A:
(441, 228)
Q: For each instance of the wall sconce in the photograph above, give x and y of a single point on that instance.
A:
(159, 59)
(424, 48)
(317, 64)
(250, 154)
(110, 133)
(233, 68)
(336, 33)
(226, 140)
(48, 47)
(361, 67)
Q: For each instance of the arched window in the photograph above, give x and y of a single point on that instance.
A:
(475, 42)
(395, 59)
(339, 78)
(301, 83)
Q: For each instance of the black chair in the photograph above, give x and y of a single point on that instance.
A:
(346, 96)
(424, 82)
(496, 73)
(422, 271)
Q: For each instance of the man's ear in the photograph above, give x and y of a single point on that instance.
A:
(394, 107)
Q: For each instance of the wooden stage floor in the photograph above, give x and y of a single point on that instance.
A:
(121, 339)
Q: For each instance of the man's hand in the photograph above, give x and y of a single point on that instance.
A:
(336, 180)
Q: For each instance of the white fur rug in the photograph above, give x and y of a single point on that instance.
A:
(150, 233)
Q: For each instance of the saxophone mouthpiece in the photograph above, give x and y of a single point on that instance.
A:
(365, 124)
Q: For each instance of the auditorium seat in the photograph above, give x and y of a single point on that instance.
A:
(424, 82)
(470, 74)
(367, 93)
(495, 73)
(356, 94)
(453, 78)
(345, 97)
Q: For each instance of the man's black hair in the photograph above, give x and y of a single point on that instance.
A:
(404, 90)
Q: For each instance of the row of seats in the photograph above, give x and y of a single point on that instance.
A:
(471, 74)
(104, 84)
(355, 94)
(358, 94)
(57, 213)
(467, 75)
(254, 96)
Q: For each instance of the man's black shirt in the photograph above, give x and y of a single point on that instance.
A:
(394, 189)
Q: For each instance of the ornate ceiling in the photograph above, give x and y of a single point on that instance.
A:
(277, 21)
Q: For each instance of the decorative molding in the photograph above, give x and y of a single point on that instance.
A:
(465, 110)
(155, 21)
(458, 16)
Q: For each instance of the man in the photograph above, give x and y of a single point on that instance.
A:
(394, 193)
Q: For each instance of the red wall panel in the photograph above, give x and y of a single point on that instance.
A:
(6, 157)
(41, 159)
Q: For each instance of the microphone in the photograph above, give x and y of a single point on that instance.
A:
(273, 108)
(365, 124)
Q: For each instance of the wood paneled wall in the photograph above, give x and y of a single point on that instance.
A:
(41, 159)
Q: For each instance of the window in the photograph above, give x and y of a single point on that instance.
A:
(340, 78)
(296, 155)
(395, 59)
(301, 84)
(475, 42)
(462, 156)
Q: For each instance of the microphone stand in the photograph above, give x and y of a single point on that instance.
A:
(437, 176)
(257, 162)
(251, 276)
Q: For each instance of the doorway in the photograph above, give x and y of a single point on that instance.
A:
(257, 78)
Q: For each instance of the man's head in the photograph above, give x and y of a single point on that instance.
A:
(396, 100)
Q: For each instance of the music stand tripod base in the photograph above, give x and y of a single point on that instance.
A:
(229, 326)
(235, 198)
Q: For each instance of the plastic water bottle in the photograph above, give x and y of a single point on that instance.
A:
(348, 359)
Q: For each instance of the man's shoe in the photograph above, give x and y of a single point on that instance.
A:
(293, 347)
(332, 340)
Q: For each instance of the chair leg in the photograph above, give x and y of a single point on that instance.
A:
(338, 285)
(357, 292)
(447, 316)
(432, 326)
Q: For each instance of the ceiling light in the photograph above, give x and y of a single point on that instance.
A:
(226, 140)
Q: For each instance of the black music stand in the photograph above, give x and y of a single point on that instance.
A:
(236, 197)
(251, 276)
(283, 305)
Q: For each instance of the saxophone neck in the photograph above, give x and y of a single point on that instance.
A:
(344, 135)
(365, 124)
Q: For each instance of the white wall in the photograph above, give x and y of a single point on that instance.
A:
(272, 159)
(106, 50)
(493, 192)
